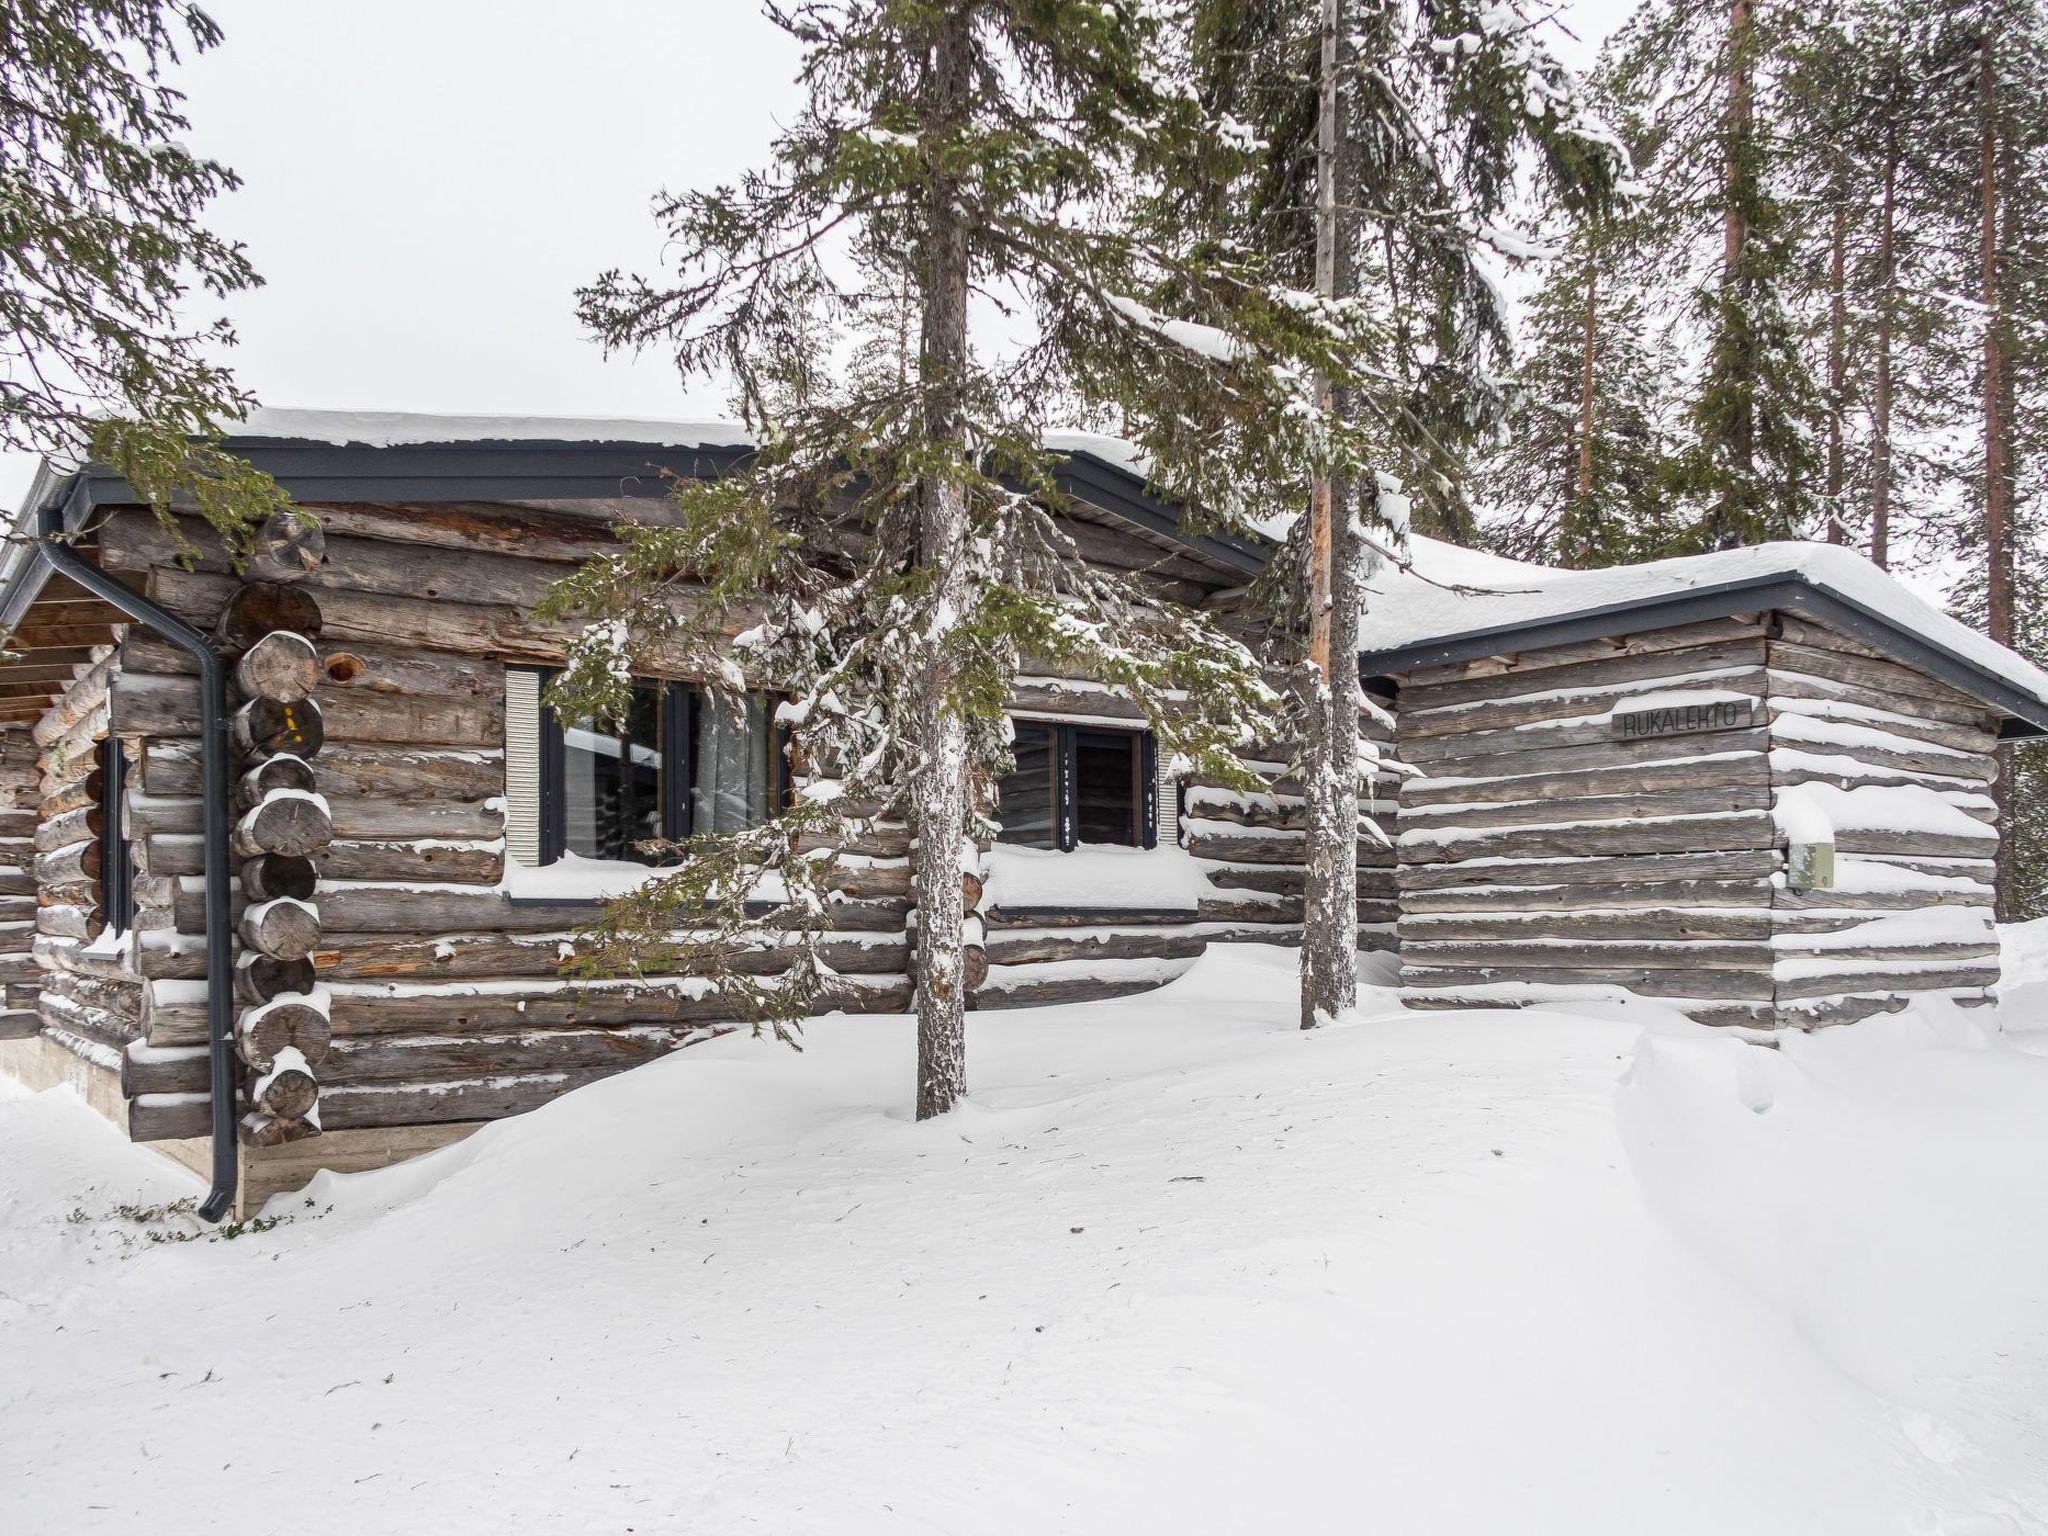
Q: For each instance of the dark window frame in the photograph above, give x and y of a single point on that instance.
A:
(117, 874)
(1066, 737)
(680, 703)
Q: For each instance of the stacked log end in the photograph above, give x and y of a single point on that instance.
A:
(283, 826)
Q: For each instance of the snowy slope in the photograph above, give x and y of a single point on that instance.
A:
(1177, 1268)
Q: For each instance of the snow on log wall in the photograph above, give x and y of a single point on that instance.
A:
(88, 997)
(1615, 816)
(1901, 767)
(1543, 854)
(20, 793)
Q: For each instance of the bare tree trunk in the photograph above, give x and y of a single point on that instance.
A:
(1329, 939)
(1735, 237)
(1592, 320)
(1881, 388)
(1998, 572)
(1838, 306)
(938, 808)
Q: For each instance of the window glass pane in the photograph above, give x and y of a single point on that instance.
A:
(1106, 799)
(611, 781)
(735, 762)
(1024, 797)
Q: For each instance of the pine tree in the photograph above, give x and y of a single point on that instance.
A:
(1393, 192)
(102, 226)
(890, 554)
(1578, 474)
(1709, 79)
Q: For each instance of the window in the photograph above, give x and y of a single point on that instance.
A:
(680, 762)
(1075, 784)
(117, 880)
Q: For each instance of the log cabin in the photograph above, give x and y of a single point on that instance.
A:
(1757, 786)
(293, 854)
(355, 957)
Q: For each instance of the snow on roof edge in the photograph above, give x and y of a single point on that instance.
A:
(1443, 598)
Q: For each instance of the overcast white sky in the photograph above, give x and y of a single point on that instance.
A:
(426, 184)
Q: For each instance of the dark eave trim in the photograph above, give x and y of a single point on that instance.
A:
(2026, 716)
(1122, 494)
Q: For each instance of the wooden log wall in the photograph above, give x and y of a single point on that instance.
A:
(1545, 856)
(1902, 765)
(87, 995)
(20, 795)
(373, 918)
(1253, 852)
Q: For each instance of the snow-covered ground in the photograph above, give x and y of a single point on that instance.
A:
(1176, 1268)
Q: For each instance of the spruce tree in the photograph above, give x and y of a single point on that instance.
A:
(102, 229)
(1388, 182)
(890, 554)
(1722, 219)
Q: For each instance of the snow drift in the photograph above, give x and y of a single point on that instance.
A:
(1176, 1266)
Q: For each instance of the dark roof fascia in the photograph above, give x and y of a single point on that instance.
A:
(568, 471)
(1120, 493)
(30, 574)
(2026, 715)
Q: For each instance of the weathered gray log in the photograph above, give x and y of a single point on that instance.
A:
(1731, 864)
(286, 1092)
(1745, 829)
(1794, 684)
(370, 909)
(256, 609)
(1623, 779)
(80, 861)
(1616, 807)
(265, 727)
(350, 1107)
(19, 1024)
(287, 821)
(375, 956)
(169, 1117)
(284, 928)
(275, 1131)
(1680, 637)
(79, 826)
(1681, 982)
(265, 1030)
(1019, 989)
(412, 861)
(1013, 948)
(456, 1011)
(271, 875)
(350, 769)
(1938, 976)
(1887, 678)
(73, 796)
(73, 705)
(424, 1058)
(1541, 709)
(1532, 957)
(413, 674)
(1664, 924)
(283, 771)
(1432, 753)
(1632, 671)
(281, 665)
(260, 978)
(288, 547)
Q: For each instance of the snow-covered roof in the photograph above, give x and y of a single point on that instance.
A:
(1451, 604)
(392, 429)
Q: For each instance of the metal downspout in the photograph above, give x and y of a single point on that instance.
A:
(213, 769)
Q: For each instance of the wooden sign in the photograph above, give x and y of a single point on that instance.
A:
(1684, 719)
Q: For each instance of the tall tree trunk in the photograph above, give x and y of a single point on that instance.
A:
(1591, 325)
(1838, 307)
(1998, 570)
(1329, 939)
(938, 809)
(1736, 191)
(1881, 387)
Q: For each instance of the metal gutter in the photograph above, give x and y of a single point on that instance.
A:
(2026, 715)
(56, 516)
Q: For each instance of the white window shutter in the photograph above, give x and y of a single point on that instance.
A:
(1168, 801)
(522, 765)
